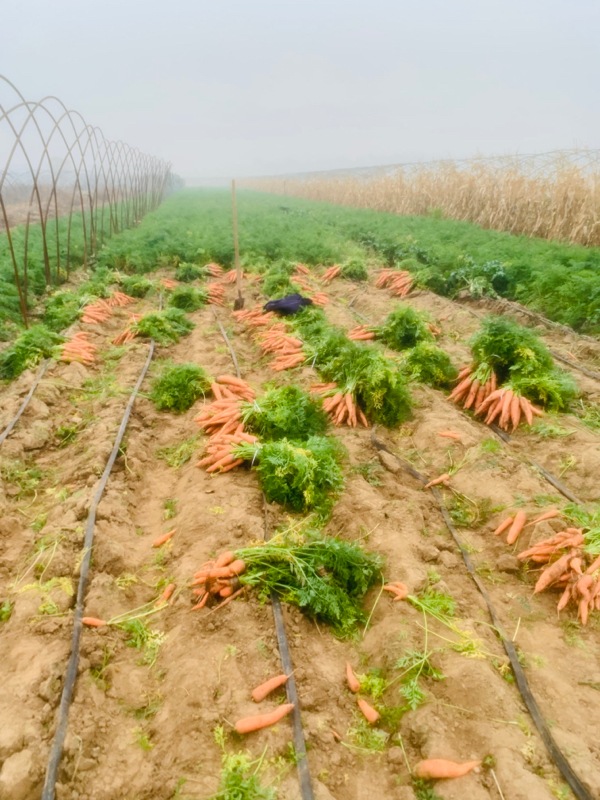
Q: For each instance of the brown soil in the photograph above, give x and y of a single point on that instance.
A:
(208, 665)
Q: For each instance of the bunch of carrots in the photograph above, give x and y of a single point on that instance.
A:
(565, 570)
(515, 524)
(501, 404)
(302, 269)
(218, 578)
(120, 299)
(288, 349)
(128, 334)
(96, 312)
(340, 406)
(222, 420)
(331, 273)
(168, 283)
(255, 317)
(216, 294)
(215, 270)
(398, 282)
(231, 276)
(78, 348)
(361, 333)
(319, 298)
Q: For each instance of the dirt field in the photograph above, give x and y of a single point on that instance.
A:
(137, 730)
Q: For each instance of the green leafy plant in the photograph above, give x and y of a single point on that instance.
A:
(303, 476)
(5, 610)
(188, 298)
(178, 454)
(372, 472)
(28, 350)
(325, 577)
(240, 775)
(286, 412)
(427, 363)
(187, 272)
(404, 327)
(414, 665)
(178, 386)
(136, 285)
(62, 310)
(355, 270)
(366, 738)
(144, 639)
(164, 326)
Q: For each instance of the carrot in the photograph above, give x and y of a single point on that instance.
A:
(504, 415)
(464, 372)
(516, 527)
(526, 409)
(515, 412)
(93, 622)
(162, 539)
(216, 390)
(472, 393)
(236, 567)
(166, 595)
(202, 602)
(552, 573)
(436, 481)
(503, 526)
(593, 566)
(462, 386)
(256, 723)
(232, 381)
(368, 711)
(564, 599)
(400, 595)
(363, 420)
(437, 768)
(225, 559)
(259, 694)
(353, 681)
(450, 435)
(550, 514)
(402, 591)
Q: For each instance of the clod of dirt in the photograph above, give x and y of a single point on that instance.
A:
(37, 437)
(75, 374)
(508, 563)
(47, 392)
(395, 755)
(404, 793)
(429, 552)
(17, 777)
(389, 462)
(449, 560)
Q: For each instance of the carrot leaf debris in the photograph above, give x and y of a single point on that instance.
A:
(178, 386)
(188, 298)
(187, 272)
(28, 350)
(428, 363)
(404, 327)
(285, 412)
(163, 326)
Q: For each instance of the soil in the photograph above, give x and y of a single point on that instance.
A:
(136, 729)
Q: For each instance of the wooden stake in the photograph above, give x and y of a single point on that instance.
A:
(239, 302)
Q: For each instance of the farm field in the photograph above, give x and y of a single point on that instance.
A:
(160, 686)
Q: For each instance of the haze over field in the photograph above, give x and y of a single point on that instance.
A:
(238, 88)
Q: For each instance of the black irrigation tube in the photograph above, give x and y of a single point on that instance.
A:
(25, 402)
(71, 675)
(577, 787)
(304, 780)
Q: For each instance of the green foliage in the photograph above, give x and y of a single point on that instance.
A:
(287, 412)
(364, 737)
(62, 310)
(325, 577)
(178, 386)
(372, 471)
(164, 326)
(519, 358)
(178, 454)
(188, 298)
(425, 791)
(414, 665)
(26, 479)
(136, 285)
(144, 639)
(5, 610)
(187, 272)
(276, 282)
(427, 363)
(373, 684)
(240, 780)
(302, 476)
(28, 350)
(404, 327)
(581, 517)
(355, 270)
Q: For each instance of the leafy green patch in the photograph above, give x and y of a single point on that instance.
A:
(188, 298)
(427, 363)
(364, 737)
(355, 270)
(62, 310)
(178, 454)
(136, 285)
(404, 327)
(286, 412)
(144, 639)
(240, 775)
(164, 326)
(178, 386)
(28, 350)
(187, 272)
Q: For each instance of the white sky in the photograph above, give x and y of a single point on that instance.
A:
(232, 88)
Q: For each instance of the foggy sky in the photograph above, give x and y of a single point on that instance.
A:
(230, 88)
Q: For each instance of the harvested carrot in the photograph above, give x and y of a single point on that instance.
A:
(550, 514)
(553, 573)
(516, 527)
(442, 479)
(162, 539)
(503, 526)
(256, 723)
(353, 681)
(438, 768)
(166, 595)
(450, 435)
(93, 622)
(396, 590)
(225, 559)
(368, 711)
(259, 694)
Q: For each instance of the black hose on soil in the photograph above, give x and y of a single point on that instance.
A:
(67, 693)
(25, 402)
(577, 787)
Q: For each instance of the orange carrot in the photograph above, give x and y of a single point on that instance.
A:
(400, 595)
(93, 622)
(436, 481)
(450, 434)
(166, 595)
(516, 527)
(515, 412)
(437, 768)
(249, 724)
(505, 413)
(550, 514)
(368, 711)
(472, 393)
(259, 694)
(552, 573)
(225, 558)
(503, 526)
(162, 539)
(353, 681)
(526, 409)
(236, 567)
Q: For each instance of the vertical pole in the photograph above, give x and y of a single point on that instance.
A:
(239, 303)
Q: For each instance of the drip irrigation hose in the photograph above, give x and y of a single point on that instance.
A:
(25, 402)
(577, 787)
(71, 675)
(227, 342)
(304, 780)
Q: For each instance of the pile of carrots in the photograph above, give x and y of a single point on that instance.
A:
(221, 419)
(96, 312)
(215, 270)
(435, 331)
(120, 299)
(78, 348)
(319, 298)
(128, 334)
(301, 269)
(565, 570)
(288, 349)
(331, 273)
(516, 524)
(398, 282)
(500, 404)
(340, 406)
(254, 317)
(216, 294)
(230, 277)
(218, 578)
(302, 283)
(361, 333)
(168, 283)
